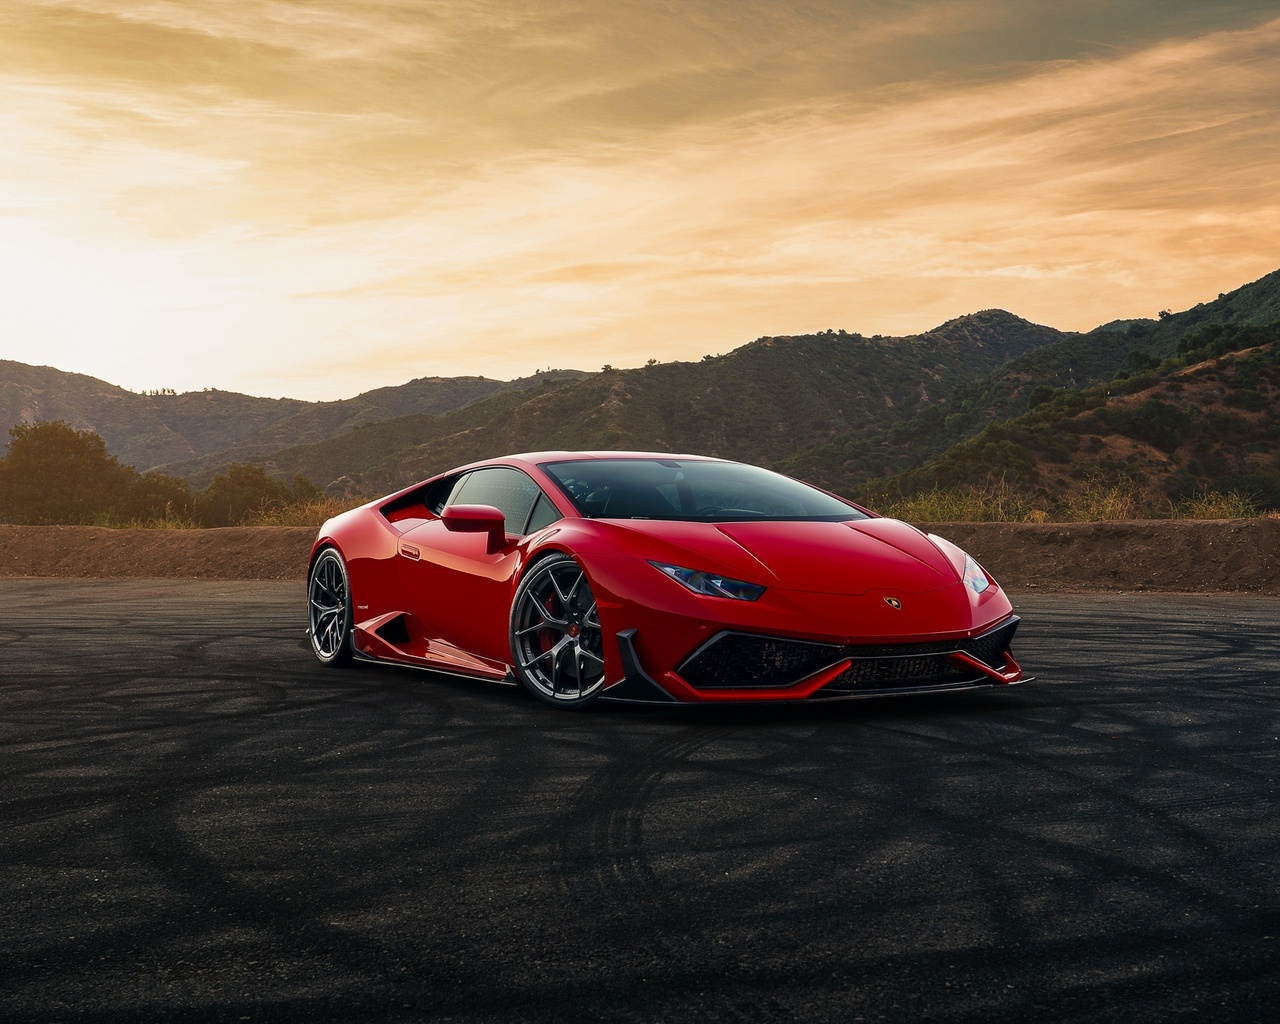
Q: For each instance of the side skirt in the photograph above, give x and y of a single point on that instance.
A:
(475, 677)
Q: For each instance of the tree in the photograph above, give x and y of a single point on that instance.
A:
(238, 490)
(54, 473)
(160, 496)
(1040, 394)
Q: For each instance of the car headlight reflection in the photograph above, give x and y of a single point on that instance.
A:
(710, 584)
(974, 578)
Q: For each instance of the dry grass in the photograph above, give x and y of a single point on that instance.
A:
(995, 503)
(1217, 505)
(310, 513)
(1102, 502)
(1097, 502)
(173, 519)
(169, 522)
(304, 513)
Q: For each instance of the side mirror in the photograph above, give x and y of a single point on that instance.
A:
(477, 519)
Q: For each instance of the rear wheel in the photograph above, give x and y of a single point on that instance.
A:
(556, 642)
(329, 609)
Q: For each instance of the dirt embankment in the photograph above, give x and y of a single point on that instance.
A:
(1180, 555)
(93, 552)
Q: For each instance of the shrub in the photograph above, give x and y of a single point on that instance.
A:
(1158, 423)
(1216, 505)
(1101, 501)
(243, 491)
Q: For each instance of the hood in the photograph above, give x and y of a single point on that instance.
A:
(827, 558)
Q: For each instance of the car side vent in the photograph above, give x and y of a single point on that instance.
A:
(395, 631)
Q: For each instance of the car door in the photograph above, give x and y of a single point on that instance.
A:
(461, 587)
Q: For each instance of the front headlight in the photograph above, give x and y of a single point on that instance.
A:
(709, 584)
(974, 578)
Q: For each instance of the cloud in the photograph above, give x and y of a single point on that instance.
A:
(337, 193)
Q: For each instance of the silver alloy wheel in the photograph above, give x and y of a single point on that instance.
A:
(329, 608)
(555, 634)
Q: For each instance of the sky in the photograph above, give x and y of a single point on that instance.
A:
(312, 198)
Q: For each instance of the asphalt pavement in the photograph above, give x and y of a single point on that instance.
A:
(202, 824)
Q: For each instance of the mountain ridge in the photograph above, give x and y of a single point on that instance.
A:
(162, 431)
(754, 403)
(834, 407)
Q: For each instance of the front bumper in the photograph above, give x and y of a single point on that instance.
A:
(734, 666)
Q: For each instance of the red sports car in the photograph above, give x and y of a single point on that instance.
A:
(653, 578)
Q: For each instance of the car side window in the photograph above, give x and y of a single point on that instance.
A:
(438, 494)
(508, 490)
(543, 515)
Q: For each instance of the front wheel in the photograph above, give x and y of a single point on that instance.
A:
(556, 642)
(329, 609)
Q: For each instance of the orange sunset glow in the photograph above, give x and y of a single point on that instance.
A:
(317, 198)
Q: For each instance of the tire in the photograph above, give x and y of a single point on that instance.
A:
(329, 609)
(557, 647)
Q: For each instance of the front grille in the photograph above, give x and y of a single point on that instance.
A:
(902, 673)
(877, 670)
(744, 661)
(739, 660)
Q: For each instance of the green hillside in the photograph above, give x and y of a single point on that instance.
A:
(194, 433)
(1205, 419)
(140, 430)
(758, 403)
(1075, 362)
(419, 399)
(984, 394)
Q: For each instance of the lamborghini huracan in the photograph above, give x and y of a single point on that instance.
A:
(653, 578)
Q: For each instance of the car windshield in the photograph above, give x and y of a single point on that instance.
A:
(716, 492)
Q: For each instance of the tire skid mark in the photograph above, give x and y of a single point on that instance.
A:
(605, 827)
(1174, 888)
(1003, 832)
(151, 811)
(222, 808)
(1090, 784)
